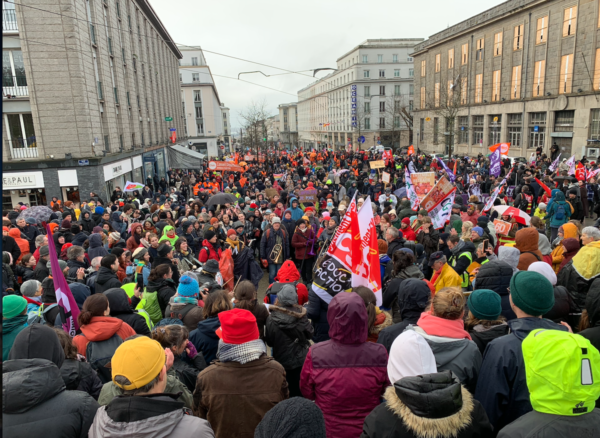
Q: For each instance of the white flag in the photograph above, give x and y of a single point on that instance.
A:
(410, 192)
(571, 164)
(440, 214)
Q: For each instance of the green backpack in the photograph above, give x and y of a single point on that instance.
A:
(148, 306)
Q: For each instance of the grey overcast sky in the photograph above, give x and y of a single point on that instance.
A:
(296, 35)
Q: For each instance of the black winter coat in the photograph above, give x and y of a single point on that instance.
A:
(395, 245)
(165, 290)
(87, 224)
(80, 376)
(483, 338)
(577, 286)
(430, 241)
(394, 287)
(10, 245)
(317, 313)
(106, 279)
(592, 305)
(120, 308)
(496, 275)
(288, 331)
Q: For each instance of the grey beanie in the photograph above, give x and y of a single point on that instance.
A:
(287, 296)
(61, 263)
(30, 287)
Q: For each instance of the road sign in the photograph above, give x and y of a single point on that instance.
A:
(536, 128)
(222, 147)
(84, 162)
(362, 139)
(378, 142)
(168, 119)
(462, 128)
(428, 119)
(172, 129)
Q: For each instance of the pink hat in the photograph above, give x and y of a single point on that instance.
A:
(326, 214)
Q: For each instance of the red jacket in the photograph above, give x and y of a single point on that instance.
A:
(409, 234)
(131, 244)
(212, 254)
(303, 242)
(346, 364)
(288, 273)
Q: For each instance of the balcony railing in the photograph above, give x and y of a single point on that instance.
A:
(9, 20)
(23, 148)
(14, 86)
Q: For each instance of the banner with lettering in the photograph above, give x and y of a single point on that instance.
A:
(439, 192)
(410, 191)
(422, 183)
(440, 214)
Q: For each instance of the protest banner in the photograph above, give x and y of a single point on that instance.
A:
(131, 186)
(440, 214)
(422, 183)
(436, 195)
(224, 165)
(502, 227)
(410, 191)
(385, 177)
(377, 164)
(308, 195)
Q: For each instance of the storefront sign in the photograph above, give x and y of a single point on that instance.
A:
(84, 162)
(22, 180)
(116, 169)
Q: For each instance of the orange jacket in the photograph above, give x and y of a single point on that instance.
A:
(101, 328)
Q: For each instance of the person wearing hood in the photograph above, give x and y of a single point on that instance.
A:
(564, 406)
(203, 336)
(136, 237)
(295, 417)
(14, 320)
(297, 212)
(288, 273)
(502, 388)
(405, 211)
(168, 233)
(526, 241)
(140, 370)
(589, 326)
(36, 401)
(288, 332)
(346, 364)
(77, 374)
(565, 231)
(87, 223)
(496, 275)
(422, 402)
(117, 222)
(23, 244)
(559, 213)
(484, 321)
(289, 224)
(403, 268)
(442, 326)
(120, 308)
(243, 379)
(96, 248)
(570, 247)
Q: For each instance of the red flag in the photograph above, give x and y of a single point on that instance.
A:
(411, 150)
(454, 170)
(354, 231)
(237, 158)
(504, 147)
(580, 172)
(545, 187)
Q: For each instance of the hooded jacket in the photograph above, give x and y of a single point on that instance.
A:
(164, 236)
(121, 309)
(405, 210)
(10, 329)
(579, 274)
(413, 298)
(131, 243)
(23, 244)
(297, 212)
(165, 289)
(510, 255)
(592, 305)
(106, 279)
(35, 400)
(87, 224)
(502, 386)
(346, 364)
(570, 230)
(526, 241)
(558, 200)
(100, 329)
(157, 415)
(96, 248)
(496, 275)
(425, 406)
(288, 273)
(205, 339)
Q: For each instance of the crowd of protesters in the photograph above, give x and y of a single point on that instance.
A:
(479, 334)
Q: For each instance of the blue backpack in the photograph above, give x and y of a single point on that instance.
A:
(560, 212)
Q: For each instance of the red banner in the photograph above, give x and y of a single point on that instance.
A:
(224, 165)
(504, 147)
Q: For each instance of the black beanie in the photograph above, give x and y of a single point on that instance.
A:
(209, 234)
(75, 229)
(162, 215)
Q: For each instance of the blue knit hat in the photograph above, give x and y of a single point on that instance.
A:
(188, 287)
(478, 230)
(99, 210)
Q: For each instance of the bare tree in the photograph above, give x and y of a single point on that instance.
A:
(254, 121)
(397, 118)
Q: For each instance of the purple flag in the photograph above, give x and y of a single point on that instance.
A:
(554, 164)
(495, 163)
(450, 174)
(64, 298)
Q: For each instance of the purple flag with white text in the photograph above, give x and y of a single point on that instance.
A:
(450, 174)
(554, 164)
(64, 298)
(495, 163)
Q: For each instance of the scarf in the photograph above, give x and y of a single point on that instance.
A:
(436, 326)
(234, 244)
(242, 353)
(185, 300)
(459, 246)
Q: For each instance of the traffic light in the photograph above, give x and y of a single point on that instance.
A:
(378, 138)
(264, 139)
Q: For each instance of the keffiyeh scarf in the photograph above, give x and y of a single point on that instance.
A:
(242, 353)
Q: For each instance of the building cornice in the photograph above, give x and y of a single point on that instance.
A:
(158, 25)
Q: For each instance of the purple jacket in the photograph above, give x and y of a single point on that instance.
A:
(346, 375)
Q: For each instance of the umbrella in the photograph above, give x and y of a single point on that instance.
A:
(221, 199)
(243, 163)
(563, 178)
(519, 215)
(41, 213)
(339, 172)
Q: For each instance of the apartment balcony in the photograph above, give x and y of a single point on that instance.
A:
(9, 21)
(22, 148)
(14, 87)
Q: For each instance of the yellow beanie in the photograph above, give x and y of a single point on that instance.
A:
(140, 360)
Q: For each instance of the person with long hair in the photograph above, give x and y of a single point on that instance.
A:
(377, 319)
(204, 337)
(404, 267)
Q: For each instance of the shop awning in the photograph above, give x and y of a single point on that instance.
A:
(183, 158)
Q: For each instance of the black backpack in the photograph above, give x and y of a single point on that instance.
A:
(99, 354)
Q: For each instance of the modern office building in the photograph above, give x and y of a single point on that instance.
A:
(525, 72)
(369, 97)
(91, 98)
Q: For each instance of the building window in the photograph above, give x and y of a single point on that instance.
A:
(195, 77)
(382, 90)
(382, 123)
(463, 130)
(198, 110)
(410, 59)
(199, 127)
(436, 126)
(423, 65)
(437, 94)
(396, 90)
(194, 60)
(498, 44)
(450, 92)
(410, 105)
(411, 89)
(438, 61)
(20, 132)
(106, 143)
(570, 21)
(496, 86)
(596, 85)
(518, 38)
(537, 130)
(13, 71)
(539, 73)
(367, 107)
(396, 122)
(479, 88)
(541, 35)
(566, 74)
(397, 73)
(451, 58)
(411, 72)
(515, 127)
(394, 58)
(515, 85)
(478, 130)
(367, 91)
(379, 59)
(422, 130)
(365, 59)
(365, 73)
(381, 107)
(595, 124)
(479, 50)
(382, 73)
(463, 91)
(367, 123)
(464, 54)
(422, 97)
(197, 96)
(495, 125)
(563, 121)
